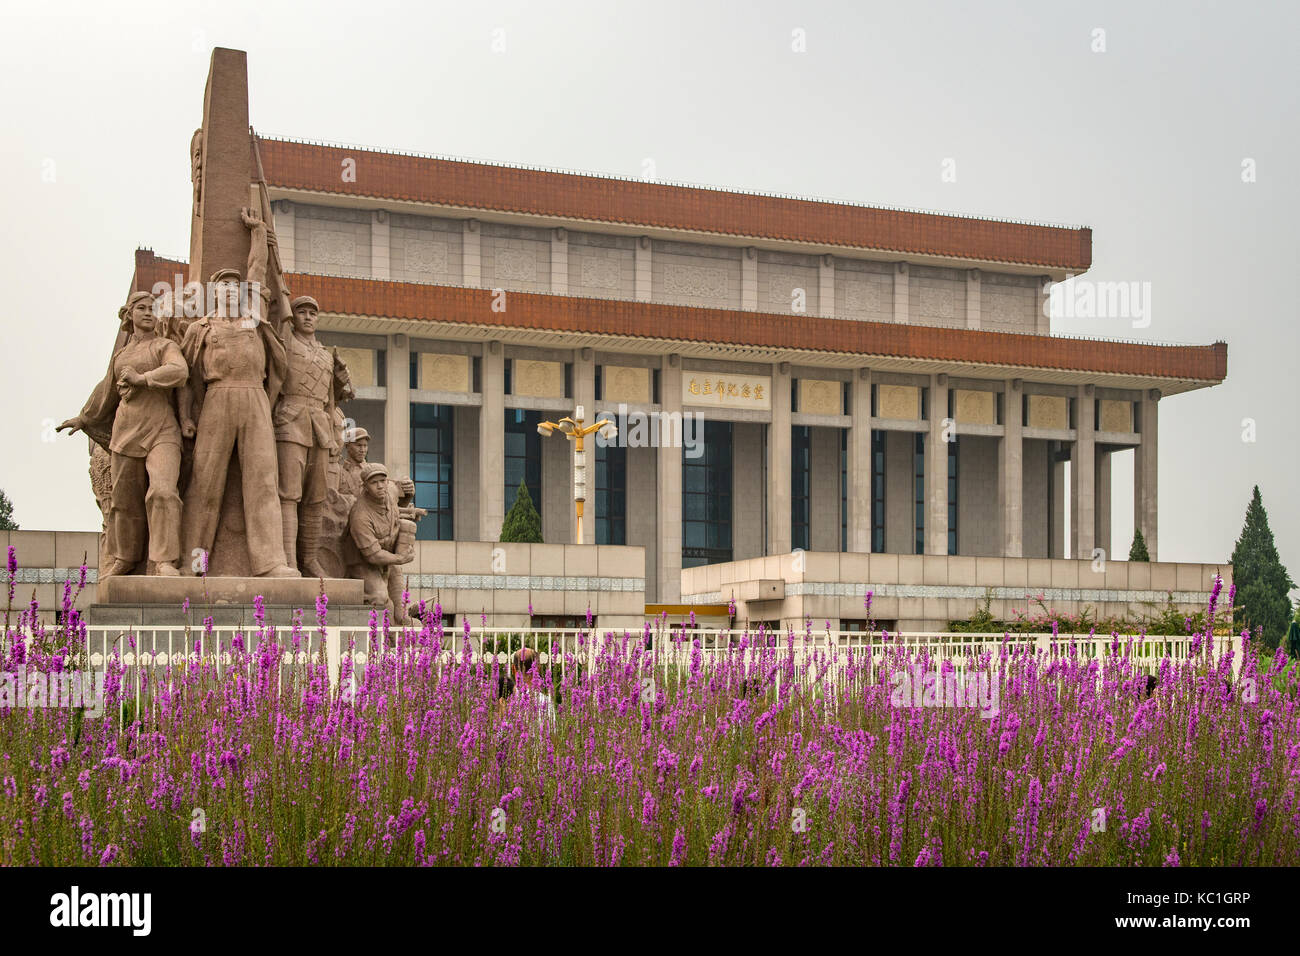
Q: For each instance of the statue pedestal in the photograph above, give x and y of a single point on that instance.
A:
(133, 600)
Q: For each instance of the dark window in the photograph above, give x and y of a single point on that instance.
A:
(431, 448)
(523, 455)
(918, 495)
(878, 491)
(800, 467)
(952, 497)
(611, 494)
(415, 370)
(844, 489)
(706, 499)
(558, 621)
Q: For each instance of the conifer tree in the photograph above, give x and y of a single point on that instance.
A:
(523, 523)
(7, 522)
(1263, 584)
(1138, 552)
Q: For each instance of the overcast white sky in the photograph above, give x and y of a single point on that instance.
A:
(1143, 142)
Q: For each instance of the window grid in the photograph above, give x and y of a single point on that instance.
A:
(706, 499)
(918, 496)
(431, 469)
(800, 467)
(952, 497)
(611, 494)
(523, 456)
(878, 491)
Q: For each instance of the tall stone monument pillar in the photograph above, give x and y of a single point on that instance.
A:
(218, 237)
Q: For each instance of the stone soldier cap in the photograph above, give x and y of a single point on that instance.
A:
(372, 468)
(226, 274)
(304, 300)
(355, 434)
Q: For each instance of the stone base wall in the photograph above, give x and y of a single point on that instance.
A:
(469, 578)
(925, 592)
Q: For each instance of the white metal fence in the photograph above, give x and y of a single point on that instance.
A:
(669, 648)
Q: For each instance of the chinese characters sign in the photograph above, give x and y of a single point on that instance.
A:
(726, 390)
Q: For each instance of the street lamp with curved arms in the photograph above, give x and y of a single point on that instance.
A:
(572, 429)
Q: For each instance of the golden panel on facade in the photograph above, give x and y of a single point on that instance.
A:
(821, 397)
(1115, 416)
(361, 365)
(1048, 411)
(536, 379)
(898, 401)
(975, 407)
(623, 384)
(726, 390)
(444, 373)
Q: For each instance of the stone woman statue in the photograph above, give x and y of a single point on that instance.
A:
(132, 412)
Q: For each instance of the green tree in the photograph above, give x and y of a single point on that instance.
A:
(7, 522)
(523, 523)
(1263, 584)
(1139, 550)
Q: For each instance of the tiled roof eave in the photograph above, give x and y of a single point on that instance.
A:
(584, 197)
(532, 312)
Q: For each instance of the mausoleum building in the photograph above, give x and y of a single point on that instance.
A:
(786, 374)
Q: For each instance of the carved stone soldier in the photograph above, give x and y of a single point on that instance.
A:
(304, 435)
(384, 538)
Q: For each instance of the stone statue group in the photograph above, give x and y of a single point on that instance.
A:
(226, 431)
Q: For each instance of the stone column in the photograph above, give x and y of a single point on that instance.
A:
(1056, 543)
(1145, 459)
(471, 259)
(859, 463)
(644, 275)
(902, 292)
(936, 469)
(973, 299)
(285, 231)
(824, 490)
(1011, 477)
(584, 394)
(491, 443)
(669, 492)
(397, 408)
(1042, 303)
(556, 508)
(749, 280)
(379, 233)
(1101, 487)
(559, 262)
(778, 463)
(826, 286)
(1083, 475)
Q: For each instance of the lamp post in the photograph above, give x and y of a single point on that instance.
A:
(573, 430)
